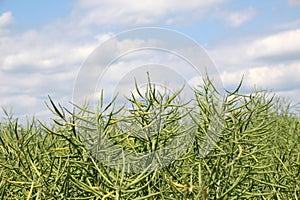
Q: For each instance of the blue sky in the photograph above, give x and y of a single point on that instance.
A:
(44, 43)
(34, 13)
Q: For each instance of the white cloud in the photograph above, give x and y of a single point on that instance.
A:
(234, 18)
(6, 19)
(271, 62)
(279, 77)
(238, 18)
(133, 12)
(104, 37)
(294, 24)
(36, 63)
(277, 47)
(291, 95)
(283, 43)
(148, 5)
(231, 56)
(26, 93)
(294, 2)
(39, 62)
(56, 57)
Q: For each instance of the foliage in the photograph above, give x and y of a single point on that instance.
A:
(256, 156)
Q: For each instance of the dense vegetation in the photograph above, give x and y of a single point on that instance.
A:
(257, 155)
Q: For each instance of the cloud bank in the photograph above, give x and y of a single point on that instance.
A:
(45, 61)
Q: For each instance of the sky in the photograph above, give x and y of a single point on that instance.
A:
(43, 44)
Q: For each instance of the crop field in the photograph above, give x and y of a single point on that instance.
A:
(256, 154)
